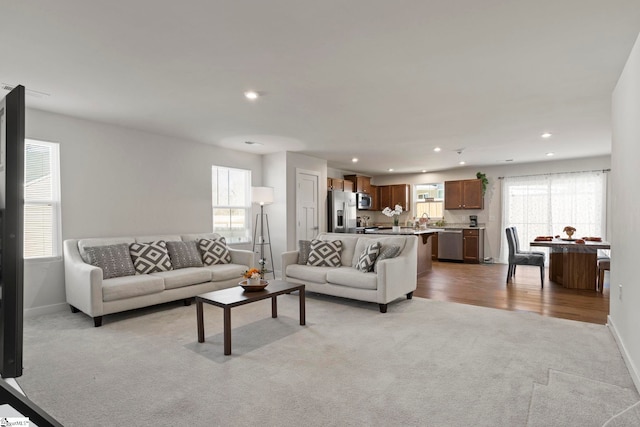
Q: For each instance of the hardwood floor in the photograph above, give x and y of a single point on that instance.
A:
(485, 285)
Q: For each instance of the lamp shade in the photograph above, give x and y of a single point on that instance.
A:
(262, 195)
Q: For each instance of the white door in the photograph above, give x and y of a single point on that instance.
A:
(307, 204)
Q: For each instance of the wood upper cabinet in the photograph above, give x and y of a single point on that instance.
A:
(362, 184)
(375, 198)
(473, 246)
(463, 194)
(392, 195)
(339, 184)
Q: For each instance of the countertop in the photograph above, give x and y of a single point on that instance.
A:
(404, 230)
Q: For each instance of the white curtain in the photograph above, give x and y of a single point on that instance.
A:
(542, 205)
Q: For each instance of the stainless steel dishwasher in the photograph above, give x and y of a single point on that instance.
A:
(450, 245)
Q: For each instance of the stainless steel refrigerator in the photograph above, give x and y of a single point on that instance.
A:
(342, 211)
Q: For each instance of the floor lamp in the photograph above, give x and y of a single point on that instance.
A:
(264, 196)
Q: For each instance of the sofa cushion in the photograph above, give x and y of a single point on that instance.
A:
(387, 252)
(308, 273)
(86, 243)
(114, 260)
(367, 258)
(184, 277)
(352, 278)
(303, 251)
(348, 245)
(214, 251)
(325, 253)
(131, 286)
(150, 257)
(220, 272)
(184, 254)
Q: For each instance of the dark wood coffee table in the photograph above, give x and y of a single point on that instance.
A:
(233, 297)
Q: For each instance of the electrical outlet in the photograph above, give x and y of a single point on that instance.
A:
(620, 292)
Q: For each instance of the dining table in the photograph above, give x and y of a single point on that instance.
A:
(573, 265)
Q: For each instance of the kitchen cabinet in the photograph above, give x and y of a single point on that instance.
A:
(392, 195)
(473, 246)
(339, 184)
(362, 184)
(375, 198)
(463, 194)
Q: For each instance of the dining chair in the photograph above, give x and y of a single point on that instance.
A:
(522, 258)
(604, 264)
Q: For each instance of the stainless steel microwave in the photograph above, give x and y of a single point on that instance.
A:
(364, 201)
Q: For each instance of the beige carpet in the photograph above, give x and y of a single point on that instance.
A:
(424, 363)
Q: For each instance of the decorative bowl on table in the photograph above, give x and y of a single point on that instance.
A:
(251, 286)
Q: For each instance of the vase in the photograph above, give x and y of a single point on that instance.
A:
(395, 228)
(253, 282)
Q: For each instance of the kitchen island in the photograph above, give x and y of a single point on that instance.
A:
(424, 243)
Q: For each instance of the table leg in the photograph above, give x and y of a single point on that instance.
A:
(200, 321)
(274, 306)
(303, 317)
(227, 331)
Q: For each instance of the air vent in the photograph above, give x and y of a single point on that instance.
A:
(30, 92)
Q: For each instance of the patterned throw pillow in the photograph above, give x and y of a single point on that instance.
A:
(150, 257)
(114, 260)
(184, 254)
(368, 257)
(325, 253)
(387, 252)
(303, 252)
(214, 251)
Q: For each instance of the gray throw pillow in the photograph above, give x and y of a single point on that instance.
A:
(114, 260)
(214, 251)
(368, 257)
(152, 257)
(184, 254)
(386, 253)
(325, 253)
(303, 252)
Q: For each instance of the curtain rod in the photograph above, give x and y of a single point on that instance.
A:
(554, 173)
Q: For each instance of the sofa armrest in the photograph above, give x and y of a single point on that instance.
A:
(82, 281)
(398, 276)
(242, 257)
(288, 258)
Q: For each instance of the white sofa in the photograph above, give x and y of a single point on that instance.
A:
(87, 291)
(395, 277)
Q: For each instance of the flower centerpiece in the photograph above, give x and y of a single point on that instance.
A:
(253, 276)
(394, 214)
(569, 230)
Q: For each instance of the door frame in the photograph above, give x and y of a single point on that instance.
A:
(318, 217)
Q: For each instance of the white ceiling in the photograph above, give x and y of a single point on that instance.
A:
(383, 80)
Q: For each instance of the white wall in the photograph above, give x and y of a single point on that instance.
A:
(624, 316)
(118, 182)
(491, 215)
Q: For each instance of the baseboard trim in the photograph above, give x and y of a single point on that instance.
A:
(46, 309)
(633, 371)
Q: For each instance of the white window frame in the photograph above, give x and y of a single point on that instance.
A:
(54, 201)
(215, 204)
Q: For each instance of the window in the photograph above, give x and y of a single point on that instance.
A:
(542, 205)
(42, 230)
(430, 200)
(231, 200)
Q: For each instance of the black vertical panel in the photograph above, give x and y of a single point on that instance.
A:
(11, 306)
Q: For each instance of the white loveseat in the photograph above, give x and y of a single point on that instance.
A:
(393, 278)
(87, 291)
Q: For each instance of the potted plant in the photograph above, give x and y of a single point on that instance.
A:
(395, 215)
(485, 181)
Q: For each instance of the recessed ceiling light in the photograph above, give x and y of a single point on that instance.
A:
(390, 169)
(251, 94)
(424, 171)
(462, 162)
(437, 149)
(354, 160)
(546, 135)
(549, 154)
